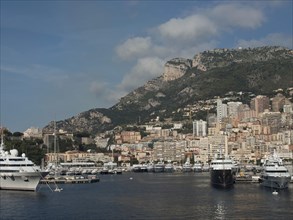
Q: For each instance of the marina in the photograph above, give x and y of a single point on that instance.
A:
(248, 177)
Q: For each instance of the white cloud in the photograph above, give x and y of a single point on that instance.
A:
(236, 15)
(274, 39)
(134, 47)
(145, 69)
(189, 28)
(211, 22)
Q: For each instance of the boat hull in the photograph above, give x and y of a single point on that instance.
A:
(159, 169)
(186, 169)
(197, 169)
(275, 182)
(139, 170)
(222, 178)
(25, 181)
(169, 170)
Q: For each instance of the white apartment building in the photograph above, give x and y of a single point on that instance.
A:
(199, 128)
(221, 110)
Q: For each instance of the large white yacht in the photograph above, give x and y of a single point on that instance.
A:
(275, 174)
(18, 172)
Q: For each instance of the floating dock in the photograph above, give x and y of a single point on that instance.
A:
(90, 179)
(247, 179)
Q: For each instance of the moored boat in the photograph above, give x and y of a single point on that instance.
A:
(18, 172)
(197, 167)
(159, 167)
(187, 166)
(169, 168)
(150, 167)
(139, 168)
(222, 172)
(275, 174)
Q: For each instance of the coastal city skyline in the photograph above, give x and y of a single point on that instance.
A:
(63, 57)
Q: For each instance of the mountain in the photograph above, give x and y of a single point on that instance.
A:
(186, 81)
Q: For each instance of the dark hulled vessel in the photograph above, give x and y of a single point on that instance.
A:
(222, 172)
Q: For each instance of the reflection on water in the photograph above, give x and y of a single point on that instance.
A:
(220, 211)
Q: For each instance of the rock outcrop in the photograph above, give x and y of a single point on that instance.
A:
(176, 68)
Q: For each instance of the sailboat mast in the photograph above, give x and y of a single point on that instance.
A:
(55, 144)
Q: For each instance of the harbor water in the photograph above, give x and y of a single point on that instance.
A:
(148, 196)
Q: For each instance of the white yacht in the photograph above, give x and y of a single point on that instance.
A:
(169, 168)
(150, 167)
(197, 166)
(275, 174)
(187, 166)
(18, 172)
(159, 167)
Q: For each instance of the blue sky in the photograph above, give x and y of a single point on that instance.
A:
(60, 58)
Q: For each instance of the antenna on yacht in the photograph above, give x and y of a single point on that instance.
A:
(226, 144)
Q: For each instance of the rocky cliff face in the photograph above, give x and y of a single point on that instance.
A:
(176, 68)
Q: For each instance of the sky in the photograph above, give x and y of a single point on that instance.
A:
(60, 58)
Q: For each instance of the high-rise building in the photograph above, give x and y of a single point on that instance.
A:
(271, 120)
(200, 128)
(233, 108)
(260, 103)
(244, 112)
(212, 119)
(278, 102)
(221, 110)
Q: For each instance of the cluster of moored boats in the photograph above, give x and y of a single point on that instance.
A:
(20, 173)
(82, 168)
(161, 167)
(273, 173)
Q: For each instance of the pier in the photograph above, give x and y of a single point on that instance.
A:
(247, 179)
(73, 180)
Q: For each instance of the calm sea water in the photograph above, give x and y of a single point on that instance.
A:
(148, 196)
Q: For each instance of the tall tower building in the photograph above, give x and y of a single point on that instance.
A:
(278, 102)
(233, 108)
(200, 128)
(221, 110)
(260, 103)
